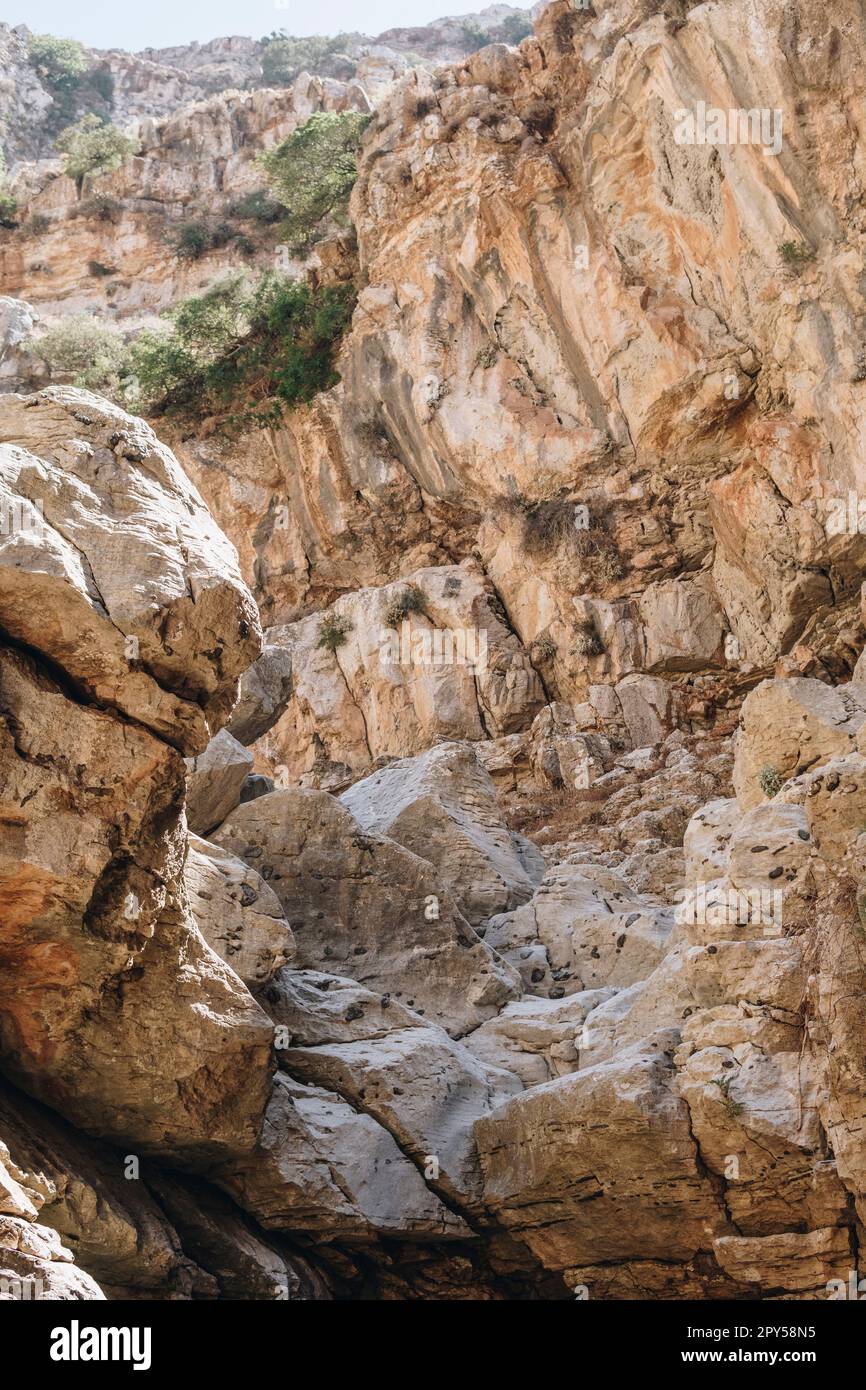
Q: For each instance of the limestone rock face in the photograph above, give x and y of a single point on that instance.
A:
(362, 905)
(238, 915)
(97, 499)
(787, 726)
(442, 806)
(526, 953)
(214, 781)
(265, 691)
(448, 668)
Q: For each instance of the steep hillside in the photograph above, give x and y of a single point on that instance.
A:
(437, 732)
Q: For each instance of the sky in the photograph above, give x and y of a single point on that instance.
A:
(163, 23)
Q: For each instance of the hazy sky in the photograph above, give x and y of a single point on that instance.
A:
(159, 23)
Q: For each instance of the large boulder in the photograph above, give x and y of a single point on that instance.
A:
(361, 905)
(113, 569)
(214, 781)
(442, 806)
(238, 915)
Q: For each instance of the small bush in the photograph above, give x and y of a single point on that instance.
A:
(100, 271)
(60, 63)
(371, 432)
(93, 146)
(587, 641)
(733, 1108)
(101, 207)
(333, 631)
(8, 205)
(312, 172)
(486, 357)
(36, 224)
(257, 207)
(796, 253)
(543, 648)
(770, 781)
(274, 342)
(84, 349)
(193, 239)
(411, 600)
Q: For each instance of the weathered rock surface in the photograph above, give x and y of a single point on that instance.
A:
(214, 780)
(442, 806)
(362, 905)
(238, 915)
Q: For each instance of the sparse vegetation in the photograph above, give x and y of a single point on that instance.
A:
(770, 781)
(8, 205)
(101, 206)
(100, 271)
(93, 146)
(257, 206)
(587, 641)
(796, 253)
(549, 528)
(486, 357)
(260, 346)
(285, 57)
(87, 352)
(474, 37)
(312, 172)
(543, 648)
(732, 1107)
(333, 631)
(409, 600)
(513, 29)
(36, 224)
(370, 431)
(193, 239)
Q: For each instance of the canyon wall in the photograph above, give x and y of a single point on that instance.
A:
(432, 846)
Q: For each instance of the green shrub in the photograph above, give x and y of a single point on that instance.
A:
(410, 600)
(99, 270)
(732, 1107)
(513, 29)
(312, 172)
(770, 781)
(192, 240)
(257, 206)
(87, 351)
(8, 205)
(245, 344)
(60, 63)
(333, 631)
(93, 146)
(796, 253)
(285, 57)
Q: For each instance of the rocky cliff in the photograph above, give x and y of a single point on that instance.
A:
(432, 846)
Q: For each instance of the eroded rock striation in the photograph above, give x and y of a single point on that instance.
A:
(432, 847)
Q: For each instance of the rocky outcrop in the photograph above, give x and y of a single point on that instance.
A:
(524, 956)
